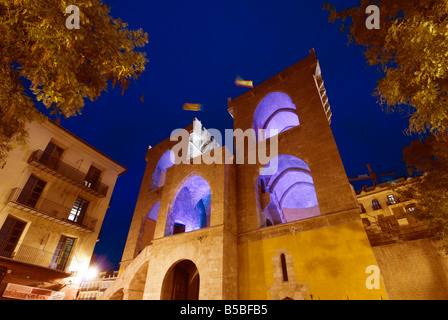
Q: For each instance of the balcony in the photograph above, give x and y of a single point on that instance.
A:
(30, 255)
(63, 171)
(90, 288)
(50, 210)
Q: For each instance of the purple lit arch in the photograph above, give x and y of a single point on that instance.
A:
(148, 226)
(154, 212)
(191, 207)
(288, 194)
(159, 175)
(275, 111)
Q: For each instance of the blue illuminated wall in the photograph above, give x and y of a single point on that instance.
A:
(158, 177)
(191, 206)
(275, 111)
(291, 191)
(154, 212)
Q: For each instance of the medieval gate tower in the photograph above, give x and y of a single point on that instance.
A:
(233, 231)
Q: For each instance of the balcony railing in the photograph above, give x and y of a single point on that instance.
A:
(30, 255)
(53, 165)
(50, 210)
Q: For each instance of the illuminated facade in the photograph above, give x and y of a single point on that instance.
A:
(406, 249)
(232, 230)
(54, 193)
(91, 289)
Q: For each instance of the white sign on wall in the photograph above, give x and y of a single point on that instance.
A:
(17, 291)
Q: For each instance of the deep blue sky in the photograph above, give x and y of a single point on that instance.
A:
(196, 49)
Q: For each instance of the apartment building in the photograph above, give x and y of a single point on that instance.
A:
(406, 250)
(388, 216)
(54, 194)
(91, 289)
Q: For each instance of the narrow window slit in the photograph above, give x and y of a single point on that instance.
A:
(284, 270)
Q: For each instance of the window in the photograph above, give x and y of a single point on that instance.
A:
(376, 204)
(92, 177)
(78, 211)
(284, 269)
(263, 186)
(51, 155)
(391, 199)
(178, 228)
(62, 253)
(31, 192)
(9, 236)
(363, 210)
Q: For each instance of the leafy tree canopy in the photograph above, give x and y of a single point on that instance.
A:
(411, 50)
(430, 158)
(41, 59)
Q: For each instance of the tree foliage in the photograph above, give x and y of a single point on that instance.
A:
(411, 50)
(430, 189)
(41, 59)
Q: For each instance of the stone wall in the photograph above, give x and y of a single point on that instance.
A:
(414, 270)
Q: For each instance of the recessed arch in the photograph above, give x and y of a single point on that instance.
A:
(276, 178)
(117, 295)
(289, 193)
(181, 282)
(154, 211)
(138, 282)
(159, 175)
(191, 206)
(147, 229)
(275, 111)
(302, 185)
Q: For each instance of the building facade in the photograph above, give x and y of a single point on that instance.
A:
(54, 194)
(91, 289)
(239, 230)
(406, 249)
(387, 215)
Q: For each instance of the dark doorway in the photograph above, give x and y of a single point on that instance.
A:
(31, 192)
(62, 253)
(182, 282)
(178, 228)
(51, 155)
(9, 236)
(92, 177)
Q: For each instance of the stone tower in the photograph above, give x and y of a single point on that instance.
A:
(235, 230)
(299, 231)
(182, 239)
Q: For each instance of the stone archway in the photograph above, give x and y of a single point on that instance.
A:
(117, 295)
(137, 285)
(159, 175)
(191, 207)
(275, 111)
(288, 194)
(181, 282)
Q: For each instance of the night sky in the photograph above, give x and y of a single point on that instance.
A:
(196, 49)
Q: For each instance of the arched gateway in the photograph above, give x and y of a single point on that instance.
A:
(181, 282)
